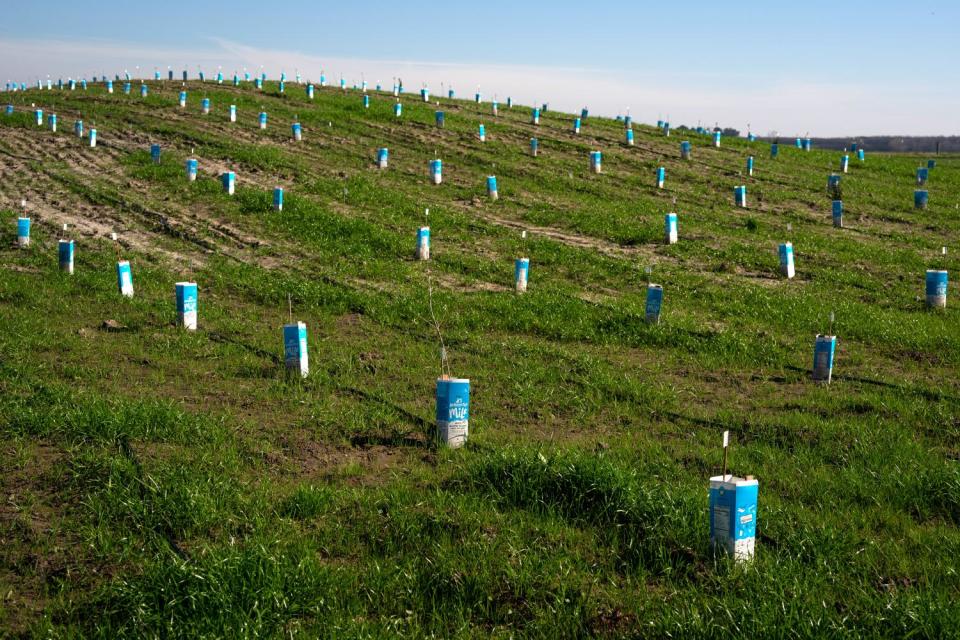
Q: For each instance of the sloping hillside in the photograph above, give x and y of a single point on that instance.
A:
(161, 482)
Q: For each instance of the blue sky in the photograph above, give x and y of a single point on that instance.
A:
(827, 68)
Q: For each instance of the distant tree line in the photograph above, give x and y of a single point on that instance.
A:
(728, 132)
(904, 144)
(925, 144)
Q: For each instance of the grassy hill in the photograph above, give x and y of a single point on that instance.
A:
(164, 483)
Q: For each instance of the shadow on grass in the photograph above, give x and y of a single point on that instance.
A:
(923, 393)
(263, 353)
(423, 427)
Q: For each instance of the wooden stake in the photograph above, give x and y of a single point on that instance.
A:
(726, 444)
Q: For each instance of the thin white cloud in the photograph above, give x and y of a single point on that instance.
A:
(790, 107)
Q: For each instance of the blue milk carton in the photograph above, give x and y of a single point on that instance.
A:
(661, 176)
(844, 163)
(127, 88)
(295, 349)
(263, 119)
(425, 94)
(733, 515)
(838, 213)
(205, 106)
(155, 153)
(143, 90)
(685, 150)
(785, 253)
(192, 166)
(716, 138)
(383, 155)
(923, 174)
(750, 165)
(534, 147)
(453, 411)
(309, 92)
(366, 101)
(774, 150)
(278, 199)
(93, 138)
(920, 199)
(931, 164)
(596, 161)
(233, 113)
(438, 117)
(823, 350)
(236, 80)
(535, 116)
(799, 143)
(807, 144)
(477, 97)
(629, 137)
(258, 83)
(482, 133)
(751, 137)
(450, 94)
(186, 294)
(125, 279)
(297, 131)
(219, 77)
(521, 274)
(492, 187)
(398, 110)
(38, 114)
(423, 243)
(627, 122)
(670, 228)
(109, 86)
(23, 232)
(65, 255)
(666, 129)
(853, 147)
(183, 99)
(495, 108)
(229, 181)
(654, 302)
(9, 110)
(861, 155)
(659, 124)
(936, 289)
(740, 196)
(833, 181)
(576, 125)
(52, 122)
(436, 171)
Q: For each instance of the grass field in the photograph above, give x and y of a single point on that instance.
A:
(163, 483)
